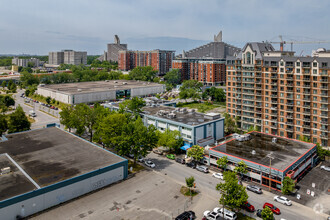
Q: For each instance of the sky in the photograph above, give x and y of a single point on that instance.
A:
(40, 26)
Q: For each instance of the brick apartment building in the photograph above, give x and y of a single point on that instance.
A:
(280, 93)
(206, 63)
(160, 60)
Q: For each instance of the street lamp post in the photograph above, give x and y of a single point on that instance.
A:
(270, 169)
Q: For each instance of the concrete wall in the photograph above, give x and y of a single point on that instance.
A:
(93, 97)
(56, 95)
(147, 90)
(38, 200)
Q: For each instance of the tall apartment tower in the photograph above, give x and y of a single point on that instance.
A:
(55, 58)
(160, 60)
(67, 57)
(206, 63)
(280, 93)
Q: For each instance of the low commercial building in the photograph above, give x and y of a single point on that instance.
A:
(86, 92)
(45, 167)
(195, 128)
(268, 157)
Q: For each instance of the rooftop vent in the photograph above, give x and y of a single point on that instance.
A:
(253, 152)
(274, 140)
(79, 90)
(107, 80)
(5, 170)
(124, 83)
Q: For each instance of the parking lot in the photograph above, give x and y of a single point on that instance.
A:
(145, 196)
(321, 179)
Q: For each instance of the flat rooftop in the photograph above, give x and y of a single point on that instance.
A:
(48, 156)
(284, 151)
(98, 86)
(188, 117)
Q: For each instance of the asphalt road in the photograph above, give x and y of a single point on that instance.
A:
(206, 184)
(42, 118)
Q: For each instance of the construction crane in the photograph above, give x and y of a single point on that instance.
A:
(282, 42)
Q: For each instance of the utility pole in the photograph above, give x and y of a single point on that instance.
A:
(270, 169)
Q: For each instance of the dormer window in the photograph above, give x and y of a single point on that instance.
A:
(248, 58)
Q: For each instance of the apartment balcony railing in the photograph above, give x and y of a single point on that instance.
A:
(324, 129)
(289, 116)
(289, 110)
(289, 122)
(325, 122)
(324, 115)
(324, 108)
(307, 119)
(273, 77)
(323, 80)
(306, 131)
(324, 94)
(290, 103)
(289, 128)
(307, 92)
(324, 87)
(306, 125)
(306, 79)
(324, 100)
(289, 91)
(324, 136)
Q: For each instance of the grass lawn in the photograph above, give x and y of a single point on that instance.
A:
(136, 168)
(201, 107)
(185, 191)
(240, 216)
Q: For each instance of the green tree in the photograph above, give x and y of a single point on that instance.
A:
(6, 101)
(267, 214)
(303, 138)
(288, 185)
(190, 89)
(68, 117)
(4, 84)
(48, 100)
(196, 152)
(3, 124)
(138, 139)
(28, 79)
(170, 139)
(321, 152)
(215, 94)
(18, 121)
(222, 162)
(134, 105)
(241, 168)
(230, 124)
(233, 195)
(144, 73)
(173, 77)
(30, 64)
(190, 182)
(255, 128)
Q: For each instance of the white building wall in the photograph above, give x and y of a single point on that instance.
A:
(147, 90)
(94, 97)
(219, 129)
(199, 134)
(62, 194)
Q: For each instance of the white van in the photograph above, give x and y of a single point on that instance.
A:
(229, 215)
(32, 113)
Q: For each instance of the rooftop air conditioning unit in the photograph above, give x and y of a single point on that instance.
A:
(124, 83)
(79, 90)
(5, 170)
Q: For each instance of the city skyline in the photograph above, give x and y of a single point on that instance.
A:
(85, 25)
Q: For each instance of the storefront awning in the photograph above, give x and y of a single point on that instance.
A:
(185, 146)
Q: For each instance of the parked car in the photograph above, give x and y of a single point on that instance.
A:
(56, 108)
(325, 168)
(226, 213)
(187, 215)
(202, 169)
(170, 156)
(218, 175)
(248, 207)
(180, 160)
(157, 151)
(191, 164)
(254, 188)
(212, 215)
(274, 209)
(283, 200)
(52, 107)
(149, 163)
(131, 156)
(141, 159)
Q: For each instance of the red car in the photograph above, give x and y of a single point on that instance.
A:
(273, 208)
(248, 207)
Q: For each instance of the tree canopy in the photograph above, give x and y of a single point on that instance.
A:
(3, 124)
(233, 195)
(214, 94)
(173, 77)
(288, 185)
(134, 105)
(190, 89)
(267, 214)
(144, 73)
(241, 168)
(18, 121)
(222, 162)
(170, 139)
(230, 124)
(196, 152)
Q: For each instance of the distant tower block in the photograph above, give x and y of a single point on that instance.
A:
(117, 40)
(218, 38)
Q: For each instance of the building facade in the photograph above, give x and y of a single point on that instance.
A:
(280, 93)
(160, 60)
(24, 62)
(206, 63)
(195, 128)
(67, 57)
(256, 153)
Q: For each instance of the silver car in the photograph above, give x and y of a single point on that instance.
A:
(254, 188)
(325, 168)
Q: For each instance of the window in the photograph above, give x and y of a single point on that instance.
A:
(314, 112)
(314, 91)
(314, 140)
(282, 113)
(266, 122)
(314, 72)
(298, 71)
(298, 116)
(298, 109)
(266, 98)
(297, 77)
(298, 129)
(266, 130)
(314, 125)
(315, 132)
(282, 94)
(281, 133)
(298, 64)
(315, 78)
(281, 126)
(324, 64)
(282, 63)
(314, 64)
(248, 58)
(298, 83)
(314, 105)
(297, 122)
(298, 96)
(282, 119)
(281, 100)
(314, 118)
(282, 70)
(298, 103)
(314, 98)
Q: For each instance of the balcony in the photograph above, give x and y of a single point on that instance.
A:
(324, 129)
(289, 128)
(325, 122)
(324, 100)
(324, 136)
(323, 80)
(289, 110)
(324, 87)
(273, 77)
(307, 92)
(324, 108)
(324, 115)
(306, 79)
(306, 131)
(289, 91)
(324, 94)
(306, 125)
(274, 113)
(289, 103)
(273, 126)
(306, 85)
(290, 85)
(289, 122)
(307, 119)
